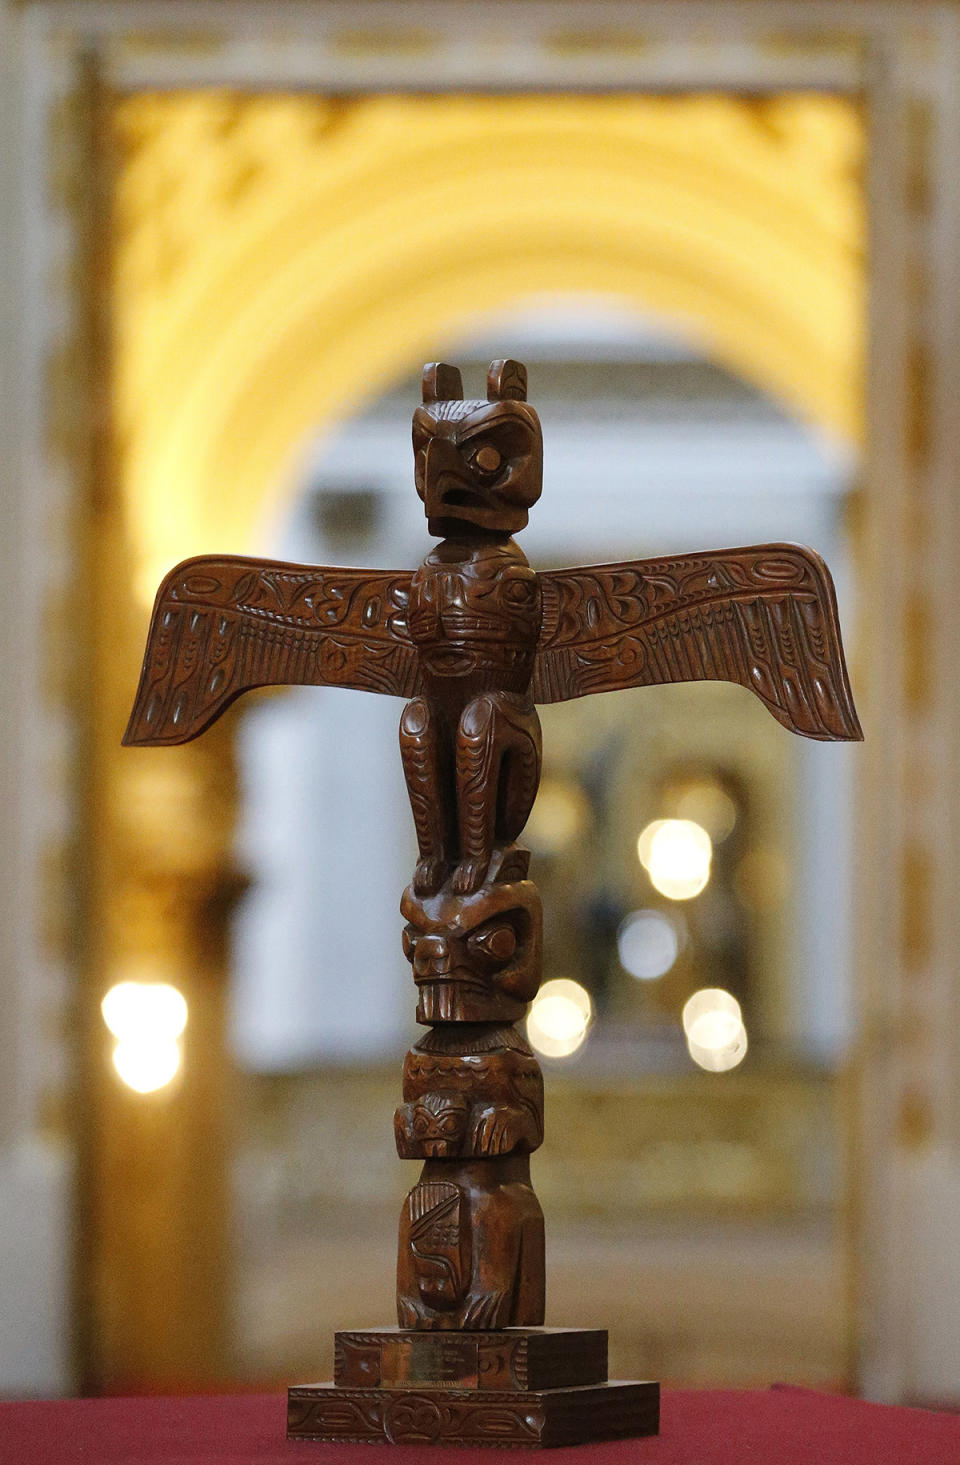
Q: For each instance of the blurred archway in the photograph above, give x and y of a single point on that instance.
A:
(313, 248)
(309, 255)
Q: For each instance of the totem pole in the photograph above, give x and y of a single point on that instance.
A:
(474, 639)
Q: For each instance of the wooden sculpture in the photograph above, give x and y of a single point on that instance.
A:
(474, 639)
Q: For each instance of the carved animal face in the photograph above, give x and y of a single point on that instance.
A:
(475, 462)
(475, 958)
(438, 1122)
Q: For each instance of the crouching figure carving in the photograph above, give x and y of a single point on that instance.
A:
(471, 1247)
(479, 1096)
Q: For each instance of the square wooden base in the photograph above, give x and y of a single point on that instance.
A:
(529, 1388)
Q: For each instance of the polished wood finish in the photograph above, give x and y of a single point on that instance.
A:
(533, 1419)
(474, 638)
(516, 1358)
(764, 616)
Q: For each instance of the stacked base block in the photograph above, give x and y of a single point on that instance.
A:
(513, 1388)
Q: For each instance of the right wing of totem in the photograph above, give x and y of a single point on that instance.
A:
(222, 625)
(764, 616)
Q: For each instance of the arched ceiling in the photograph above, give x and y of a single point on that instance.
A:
(280, 259)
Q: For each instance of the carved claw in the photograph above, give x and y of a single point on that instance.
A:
(428, 876)
(487, 1310)
(407, 1314)
(469, 876)
(494, 1132)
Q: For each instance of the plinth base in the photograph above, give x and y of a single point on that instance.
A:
(526, 1388)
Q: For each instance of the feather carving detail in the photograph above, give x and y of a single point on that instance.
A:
(223, 625)
(764, 617)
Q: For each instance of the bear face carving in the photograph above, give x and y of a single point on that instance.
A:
(469, 1103)
(436, 1124)
(475, 958)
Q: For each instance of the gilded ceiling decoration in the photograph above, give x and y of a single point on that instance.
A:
(280, 259)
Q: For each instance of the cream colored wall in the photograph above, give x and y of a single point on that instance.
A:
(910, 810)
(35, 1194)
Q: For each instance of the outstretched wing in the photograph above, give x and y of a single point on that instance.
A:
(765, 617)
(223, 624)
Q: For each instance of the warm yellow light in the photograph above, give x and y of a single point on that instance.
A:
(704, 801)
(676, 854)
(142, 1012)
(713, 1023)
(715, 1031)
(720, 1060)
(648, 944)
(558, 1020)
(707, 1002)
(645, 842)
(557, 816)
(147, 1065)
(347, 196)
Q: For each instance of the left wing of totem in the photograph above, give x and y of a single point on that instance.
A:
(223, 625)
(764, 616)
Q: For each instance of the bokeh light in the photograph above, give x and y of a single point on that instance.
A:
(557, 817)
(559, 1017)
(714, 1028)
(147, 1018)
(138, 1010)
(676, 854)
(720, 1060)
(147, 1066)
(707, 804)
(648, 944)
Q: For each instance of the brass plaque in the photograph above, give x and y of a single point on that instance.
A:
(449, 1362)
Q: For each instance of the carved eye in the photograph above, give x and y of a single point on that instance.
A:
(409, 941)
(487, 459)
(499, 942)
(516, 592)
(450, 1124)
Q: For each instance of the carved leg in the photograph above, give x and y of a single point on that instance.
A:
(507, 1286)
(531, 1268)
(498, 770)
(519, 771)
(422, 754)
(471, 1248)
(433, 1269)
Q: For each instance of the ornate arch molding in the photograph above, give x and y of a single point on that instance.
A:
(317, 248)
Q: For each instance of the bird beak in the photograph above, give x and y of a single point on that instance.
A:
(448, 491)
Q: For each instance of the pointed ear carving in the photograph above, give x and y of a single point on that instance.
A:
(441, 383)
(506, 381)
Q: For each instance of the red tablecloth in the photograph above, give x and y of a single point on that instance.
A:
(782, 1426)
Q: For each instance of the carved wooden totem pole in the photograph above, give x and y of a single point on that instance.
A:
(474, 639)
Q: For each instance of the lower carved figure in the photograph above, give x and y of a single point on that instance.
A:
(471, 1247)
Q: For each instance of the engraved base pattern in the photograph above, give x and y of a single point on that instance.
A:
(533, 1420)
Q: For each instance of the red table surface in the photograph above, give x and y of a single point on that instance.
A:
(783, 1426)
